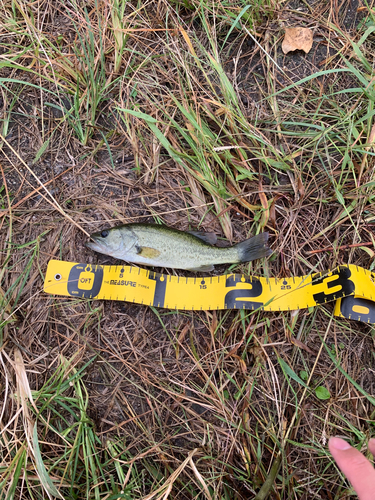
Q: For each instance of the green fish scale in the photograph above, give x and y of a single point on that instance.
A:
(179, 249)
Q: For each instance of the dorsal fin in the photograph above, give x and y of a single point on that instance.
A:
(209, 238)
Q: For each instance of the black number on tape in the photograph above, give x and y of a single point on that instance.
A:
(358, 309)
(231, 297)
(160, 288)
(85, 281)
(342, 275)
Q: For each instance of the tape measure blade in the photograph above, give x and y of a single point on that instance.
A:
(234, 291)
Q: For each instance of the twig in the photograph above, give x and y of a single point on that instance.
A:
(342, 247)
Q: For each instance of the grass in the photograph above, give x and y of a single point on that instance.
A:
(185, 113)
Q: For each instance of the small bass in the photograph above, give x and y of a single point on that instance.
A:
(162, 246)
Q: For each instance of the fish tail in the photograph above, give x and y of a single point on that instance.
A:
(253, 248)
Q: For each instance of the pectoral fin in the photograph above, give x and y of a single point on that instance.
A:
(202, 269)
(148, 252)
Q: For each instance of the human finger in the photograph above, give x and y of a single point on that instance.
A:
(355, 466)
(371, 446)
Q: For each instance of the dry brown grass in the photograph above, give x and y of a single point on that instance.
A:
(156, 403)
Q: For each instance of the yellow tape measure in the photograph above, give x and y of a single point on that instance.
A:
(352, 287)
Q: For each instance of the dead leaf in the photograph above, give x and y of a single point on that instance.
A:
(181, 338)
(297, 39)
(300, 344)
(241, 362)
(301, 187)
(266, 210)
(272, 218)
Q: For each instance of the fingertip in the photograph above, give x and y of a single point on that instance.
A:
(371, 445)
(355, 466)
(339, 444)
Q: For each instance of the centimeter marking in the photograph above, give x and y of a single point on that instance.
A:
(352, 287)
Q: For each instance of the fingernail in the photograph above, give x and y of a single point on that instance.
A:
(339, 444)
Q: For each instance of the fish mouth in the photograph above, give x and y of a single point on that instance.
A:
(94, 245)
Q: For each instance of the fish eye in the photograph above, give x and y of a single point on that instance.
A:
(104, 234)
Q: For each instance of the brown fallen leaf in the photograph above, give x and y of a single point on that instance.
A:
(301, 187)
(300, 344)
(297, 39)
(272, 217)
(266, 211)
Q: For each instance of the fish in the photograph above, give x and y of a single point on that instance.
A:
(163, 246)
